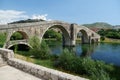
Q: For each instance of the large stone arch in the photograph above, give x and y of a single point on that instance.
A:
(65, 33)
(85, 36)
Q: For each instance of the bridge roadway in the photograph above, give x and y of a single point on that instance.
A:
(11, 73)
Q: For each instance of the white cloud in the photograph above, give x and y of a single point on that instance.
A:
(7, 16)
(43, 17)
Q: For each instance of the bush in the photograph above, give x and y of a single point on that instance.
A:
(38, 50)
(2, 39)
(53, 34)
(96, 70)
(102, 38)
(16, 36)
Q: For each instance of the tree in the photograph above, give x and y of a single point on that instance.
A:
(16, 36)
(39, 50)
(53, 34)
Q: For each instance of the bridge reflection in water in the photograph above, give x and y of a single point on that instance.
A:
(80, 49)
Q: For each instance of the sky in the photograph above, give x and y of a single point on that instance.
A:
(72, 11)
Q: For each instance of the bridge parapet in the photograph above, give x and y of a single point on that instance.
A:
(41, 23)
(6, 54)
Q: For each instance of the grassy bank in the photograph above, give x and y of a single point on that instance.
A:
(2, 39)
(47, 63)
(94, 70)
(110, 40)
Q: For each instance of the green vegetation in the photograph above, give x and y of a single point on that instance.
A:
(96, 70)
(86, 67)
(110, 33)
(53, 34)
(2, 39)
(39, 51)
(68, 62)
(26, 21)
(16, 36)
(40, 54)
(99, 25)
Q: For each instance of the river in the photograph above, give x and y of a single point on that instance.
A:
(107, 52)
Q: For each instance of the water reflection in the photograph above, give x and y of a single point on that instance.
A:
(108, 52)
(84, 50)
(81, 50)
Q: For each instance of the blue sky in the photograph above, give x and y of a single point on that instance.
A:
(74, 11)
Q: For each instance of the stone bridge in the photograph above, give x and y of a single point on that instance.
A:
(69, 32)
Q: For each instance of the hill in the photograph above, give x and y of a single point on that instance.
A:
(99, 25)
(26, 21)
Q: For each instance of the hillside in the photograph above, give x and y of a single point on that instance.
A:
(26, 21)
(99, 25)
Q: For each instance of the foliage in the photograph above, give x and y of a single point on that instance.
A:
(2, 39)
(46, 63)
(16, 36)
(26, 21)
(34, 42)
(53, 34)
(38, 50)
(102, 38)
(110, 33)
(96, 70)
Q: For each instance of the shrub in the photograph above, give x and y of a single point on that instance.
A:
(96, 70)
(2, 39)
(16, 36)
(102, 38)
(38, 50)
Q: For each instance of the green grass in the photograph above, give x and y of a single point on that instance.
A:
(114, 73)
(46, 63)
(110, 40)
(2, 39)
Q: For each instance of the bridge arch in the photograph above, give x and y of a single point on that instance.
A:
(65, 34)
(21, 43)
(84, 35)
(24, 34)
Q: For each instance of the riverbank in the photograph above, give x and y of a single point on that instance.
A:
(113, 73)
(110, 40)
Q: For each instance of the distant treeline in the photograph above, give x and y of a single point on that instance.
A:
(110, 33)
(26, 21)
(99, 25)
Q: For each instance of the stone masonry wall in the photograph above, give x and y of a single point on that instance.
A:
(6, 54)
(42, 72)
(36, 70)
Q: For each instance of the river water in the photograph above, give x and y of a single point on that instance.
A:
(107, 52)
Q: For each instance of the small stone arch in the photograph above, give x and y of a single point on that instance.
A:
(84, 36)
(65, 33)
(92, 41)
(24, 34)
(22, 43)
